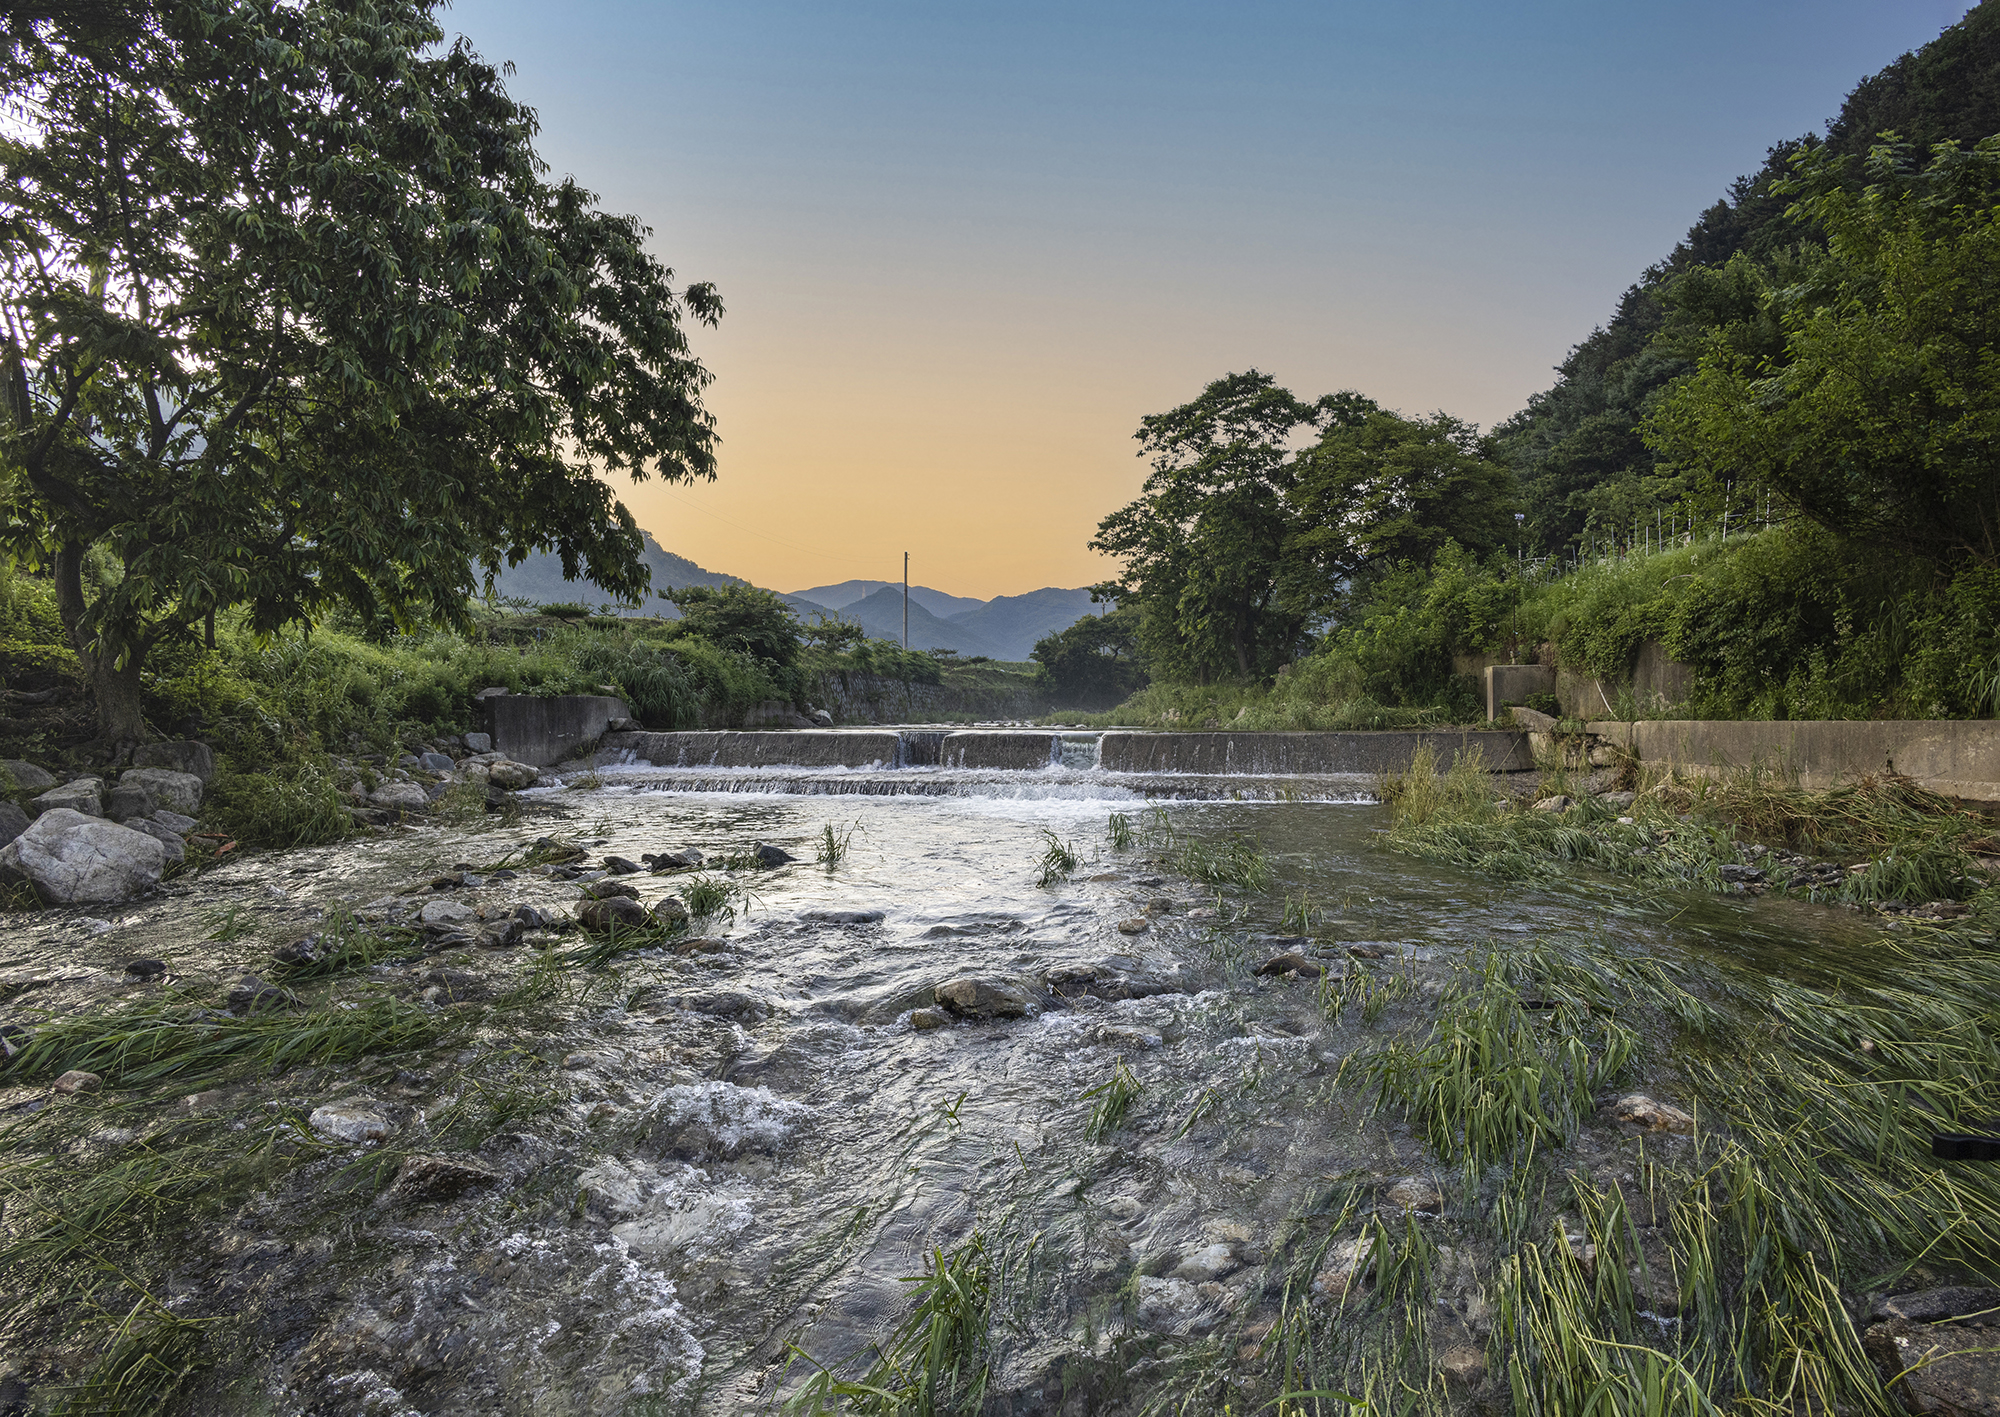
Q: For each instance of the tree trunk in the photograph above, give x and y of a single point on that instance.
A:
(119, 717)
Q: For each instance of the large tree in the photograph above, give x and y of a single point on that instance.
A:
(293, 314)
(1862, 387)
(1202, 546)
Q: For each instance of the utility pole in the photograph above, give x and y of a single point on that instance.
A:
(906, 602)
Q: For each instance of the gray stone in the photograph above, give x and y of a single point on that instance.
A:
(1210, 1262)
(768, 855)
(76, 1080)
(1414, 1193)
(400, 797)
(822, 718)
(85, 795)
(1290, 964)
(619, 866)
(604, 890)
(619, 912)
(443, 914)
(186, 756)
(252, 995)
(983, 998)
(72, 858)
(177, 791)
(1929, 1306)
(435, 762)
(27, 777)
(128, 800)
(511, 775)
(843, 917)
(479, 742)
(147, 970)
(437, 1178)
(1555, 804)
(13, 821)
(1620, 800)
(349, 1120)
(687, 858)
(174, 821)
(924, 1020)
(176, 846)
(670, 911)
(1950, 1371)
(1638, 1110)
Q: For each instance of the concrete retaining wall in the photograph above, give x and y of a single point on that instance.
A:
(805, 748)
(1958, 758)
(543, 731)
(1305, 752)
(1014, 751)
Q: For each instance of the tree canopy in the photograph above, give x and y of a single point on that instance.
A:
(1094, 660)
(744, 618)
(294, 315)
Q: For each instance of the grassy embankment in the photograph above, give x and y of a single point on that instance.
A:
(278, 709)
(1780, 623)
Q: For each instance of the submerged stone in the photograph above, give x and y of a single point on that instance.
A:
(983, 998)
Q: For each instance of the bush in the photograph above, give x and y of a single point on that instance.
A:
(292, 804)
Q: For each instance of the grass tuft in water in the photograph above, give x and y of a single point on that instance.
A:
(1118, 831)
(150, 1360)
(711, 900)
(1112, 1097)
(1059, 860)
(831, 844)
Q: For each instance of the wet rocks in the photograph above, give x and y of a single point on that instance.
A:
(974, 997)
(724, 1003)
(75, 1081)
(511, 775)
(1929, 1306)
(1558, 803)
(73, 858)
(670, 912)
(924, 1020)
(1647, 1115)
(176, 791)
(1944, 1369)
(619, 866)
(1462, 1365)
(1137, 925)
(83, 794)
(618, 912)
(1290, 965)
(13, 821)
(251, 995)
(1418, 1193)
(1139, 1040)
(843, 917)
(604, 890)
(350, 1120)
(686, 859)
(769, 855)
(437, 1178)
(146, 970)
(707, 1120)
(1166, 1303)
(175, 844)
(1210, 1262)
(1348, 1265)
(445, 915)
(400, 797)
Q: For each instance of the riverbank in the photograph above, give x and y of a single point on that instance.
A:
(1217, 1102)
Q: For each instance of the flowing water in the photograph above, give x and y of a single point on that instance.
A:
(750, 1149)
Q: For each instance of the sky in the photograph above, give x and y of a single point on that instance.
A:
(965, 248)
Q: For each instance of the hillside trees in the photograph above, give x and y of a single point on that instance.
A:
(1094, 660)
(1867, 392)
(293, 316)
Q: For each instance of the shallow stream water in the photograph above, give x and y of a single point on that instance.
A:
(751, 1149)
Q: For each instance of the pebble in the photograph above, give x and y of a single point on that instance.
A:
(253, 995)
(1414, 1193)
(76, 1080)
(924, 1020)
(437, 1178)
(1137, 925)
(349, 1120)
(147, 970)
(1638, 1110)
(1209, 1262)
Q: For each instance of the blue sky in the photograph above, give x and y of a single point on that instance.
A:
(965, 248)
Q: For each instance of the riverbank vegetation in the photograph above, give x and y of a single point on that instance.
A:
(1772, 469)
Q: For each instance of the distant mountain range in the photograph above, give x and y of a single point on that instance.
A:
(1005, 627)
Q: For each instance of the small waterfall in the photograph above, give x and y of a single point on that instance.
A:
(920, 749)
(1077, 752)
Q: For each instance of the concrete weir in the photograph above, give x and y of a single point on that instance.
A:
(1022, 750)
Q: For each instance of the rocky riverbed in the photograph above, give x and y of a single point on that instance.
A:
(380, 1128)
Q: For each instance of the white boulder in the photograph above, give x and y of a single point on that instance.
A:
(74, 859)
(176, 791)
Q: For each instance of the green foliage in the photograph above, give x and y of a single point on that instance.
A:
(294, 804)
(740, 618)
(1096, 660)
(564, 610)
(1110, 1100)
(1877, 416)
(309, 332)
(1058, 860)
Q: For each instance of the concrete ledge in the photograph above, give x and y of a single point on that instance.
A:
(544, 731)
(1284, 753)
(1015, 751)
(1959, 758)
(805, 748)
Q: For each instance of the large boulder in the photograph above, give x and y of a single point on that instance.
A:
(73, 859)
(176, 791)
(175, 843)
(511, 775)
(27, 777)
(188, 757)
(13, 821)
(85, 795)
(400, 797)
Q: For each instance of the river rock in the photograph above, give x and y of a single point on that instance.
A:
(437, 1178)
(1947, 1370)
(620, 912)
(1462, 1365)
(433, 762)
(479, 742)
(671, 912)
(1638, 1110)
(604, 890)
(350, 1120)
(252, 995)
(703, 1120)
(445, 914)
(1117, 1035)
(76, 1080)
(174, 821)
(84, 794)
(176, 791)
(1293, 963)
(147, 970)
(400, 797)
(686, 859)
(1166, 1303)
(619, 866)
(13, 821)
(1929, 1306)
(127, 800)
(1209, 1262)
(972, 997)
(1414, 1193)
(768, 855)
(1620, 800)
(27, 777)
(843, 917)
(1348, 1265)
(186, 757)
(1558, 803)
(924, 1020)
(176, 846)
(74, 859)
(511, 775)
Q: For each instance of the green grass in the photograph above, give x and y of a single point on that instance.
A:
(151, 1359)
(1111, 1099)
(830, 847)
(1118, 831)
(1240, 862)
(1058, 860)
